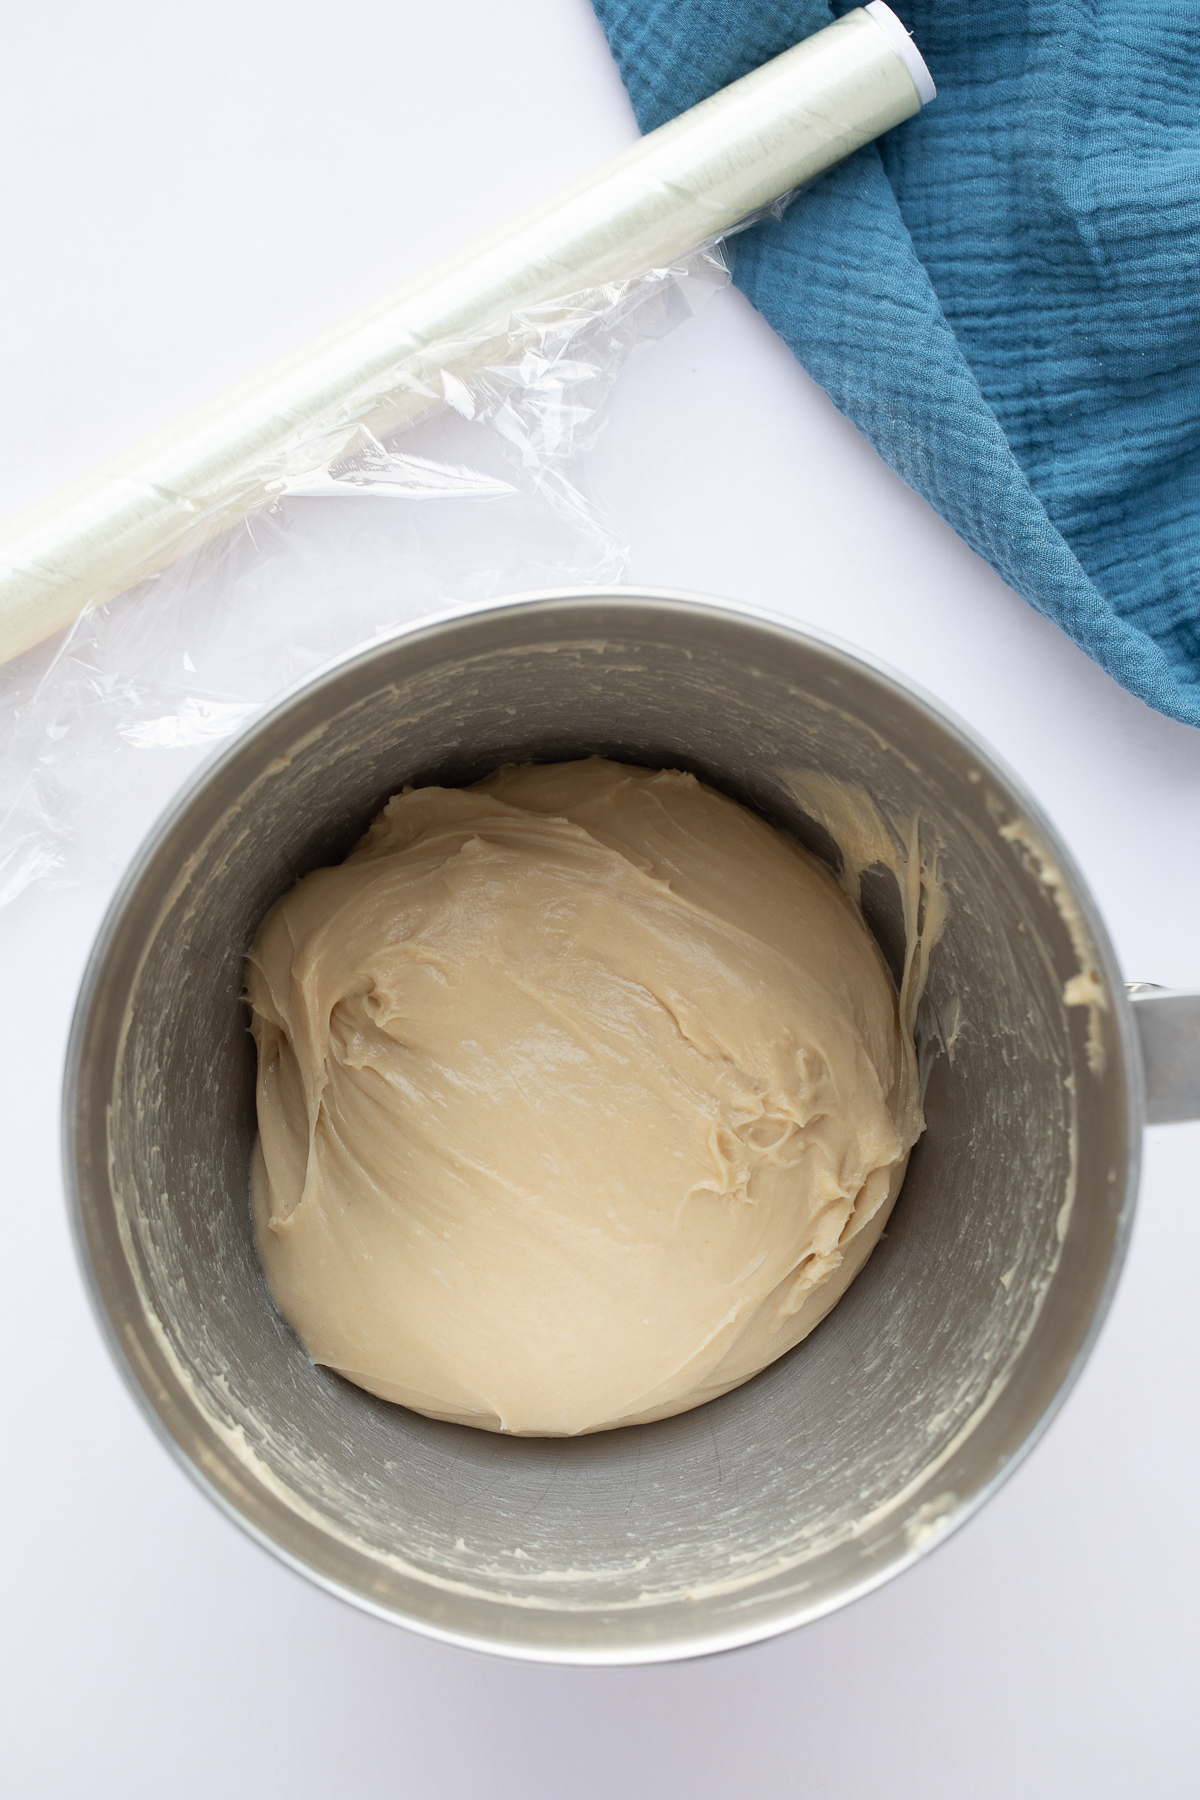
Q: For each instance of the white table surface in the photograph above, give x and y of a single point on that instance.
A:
(188, 191)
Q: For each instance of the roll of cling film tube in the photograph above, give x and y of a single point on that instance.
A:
(680, 186)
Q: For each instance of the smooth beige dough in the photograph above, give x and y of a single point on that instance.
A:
(582, 1096)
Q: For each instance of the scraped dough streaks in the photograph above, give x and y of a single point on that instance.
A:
(583, 1095)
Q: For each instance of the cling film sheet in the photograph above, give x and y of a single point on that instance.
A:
(482, 494)
(426, 452)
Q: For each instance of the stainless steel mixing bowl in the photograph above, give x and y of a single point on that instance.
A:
(846, 1460)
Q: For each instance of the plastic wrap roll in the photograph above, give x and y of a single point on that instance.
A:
(678, 187)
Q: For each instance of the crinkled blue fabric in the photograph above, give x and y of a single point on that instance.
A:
(1004, 294)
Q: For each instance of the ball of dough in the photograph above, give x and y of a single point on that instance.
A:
(582, 1096)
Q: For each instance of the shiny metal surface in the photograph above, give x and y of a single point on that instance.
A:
(832, 1470)
(1168, 1023)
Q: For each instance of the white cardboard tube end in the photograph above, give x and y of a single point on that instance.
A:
(904, 47)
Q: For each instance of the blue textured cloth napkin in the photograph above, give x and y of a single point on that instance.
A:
(1004, 294)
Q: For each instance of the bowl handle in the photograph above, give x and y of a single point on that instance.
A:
(1168, 1022)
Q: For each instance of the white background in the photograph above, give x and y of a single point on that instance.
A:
(188, 191)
